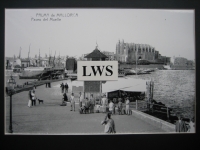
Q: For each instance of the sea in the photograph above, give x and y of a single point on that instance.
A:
(174, 88)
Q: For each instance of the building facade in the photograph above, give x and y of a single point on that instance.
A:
(130, 52)
(110, 55)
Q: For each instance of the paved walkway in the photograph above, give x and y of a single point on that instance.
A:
(51, 118)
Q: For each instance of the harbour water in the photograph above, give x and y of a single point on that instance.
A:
(174, 88)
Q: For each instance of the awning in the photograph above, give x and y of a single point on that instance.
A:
(125, 84)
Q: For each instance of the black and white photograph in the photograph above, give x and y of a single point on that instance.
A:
(153, 56)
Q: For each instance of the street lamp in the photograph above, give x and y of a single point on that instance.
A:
(11, 83)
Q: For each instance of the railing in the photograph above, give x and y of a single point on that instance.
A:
(151, 107)
(30, 84)
(146, 106)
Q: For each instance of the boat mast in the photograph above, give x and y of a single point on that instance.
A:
(54, 59)
(136, 60)
(39, 58)
(20, 53)
(29, 51)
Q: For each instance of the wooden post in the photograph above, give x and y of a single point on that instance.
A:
(136, 104)
(83, 89)
(167, 113)
(152, 89)
(100, 92)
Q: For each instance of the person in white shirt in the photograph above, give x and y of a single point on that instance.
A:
(109, 124)
(111, 107)
(191, 126)
(72, 102)
(104, 103)
(80, 100)
(33, 97)
(127, 106)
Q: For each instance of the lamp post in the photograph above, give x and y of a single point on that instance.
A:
(11, 83)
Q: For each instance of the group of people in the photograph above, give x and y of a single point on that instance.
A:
(183, 126)
(105, 105)
(113, 106)
(32, 98)
(64, 87)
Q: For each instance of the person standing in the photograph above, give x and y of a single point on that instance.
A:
(66, 88)
(111, 107)
(191, 128)
(30, 99)
(127, 106)
(65, 99)
(104, 102)
(33, 97)
(72, 102)
(62, 87)
(80, 100)
(87, 104)
(180, 125)
(109, 124)
(120, 106)
(92, 103)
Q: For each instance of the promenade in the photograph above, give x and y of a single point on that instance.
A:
(51, 118)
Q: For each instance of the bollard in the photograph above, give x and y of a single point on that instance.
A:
(136, 104)
(152, 108)
(167, 113)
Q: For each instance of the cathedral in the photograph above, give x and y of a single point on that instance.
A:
(129, 52)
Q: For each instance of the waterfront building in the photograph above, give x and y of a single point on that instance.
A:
(71, 64)
(130, 52)
(25, 63)
(94, 87)
(110, 55)
(11, 62)
(182, 63)
(96, 55)
(43, 62)
(82, 58)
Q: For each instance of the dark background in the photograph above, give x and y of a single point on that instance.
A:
(140, 141)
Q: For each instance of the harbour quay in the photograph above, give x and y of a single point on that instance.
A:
(51, 118)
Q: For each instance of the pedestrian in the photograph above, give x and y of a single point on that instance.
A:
(65, 99)
(49, 84)
(33, 97)
(92, 103)
(72, 102)
(127, 106)
(120, 106)
(87, 104)
(191, 128)
(66, 88)
(80, 100)
(111, 107)
(30, 99)
(62, 87)
(180, 125)
(104, 103)
(109, 124)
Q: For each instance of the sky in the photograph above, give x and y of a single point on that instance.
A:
(77, 31)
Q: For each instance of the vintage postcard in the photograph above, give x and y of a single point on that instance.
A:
(99, 71)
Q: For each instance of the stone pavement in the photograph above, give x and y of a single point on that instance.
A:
(51, 118)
